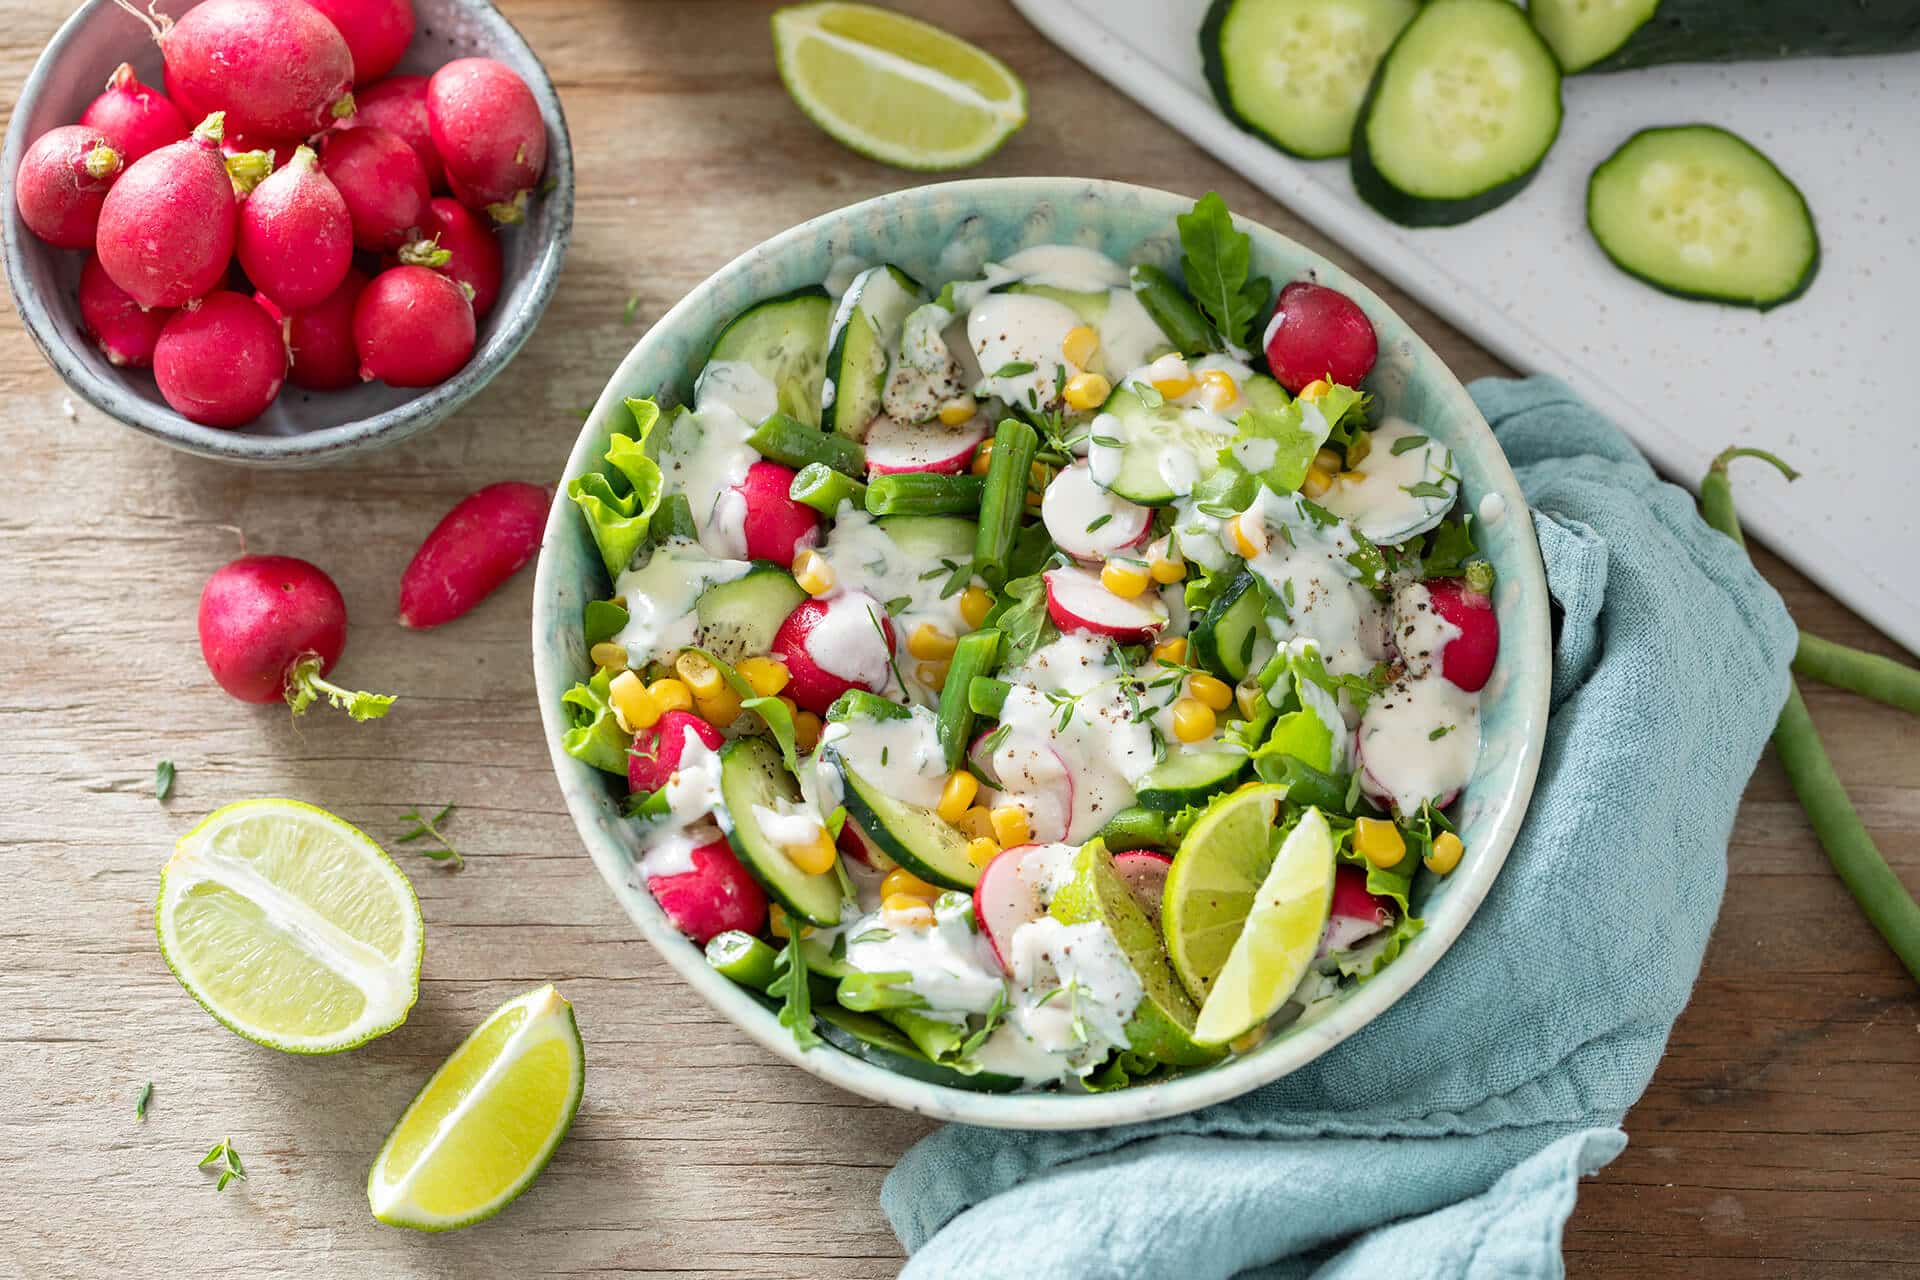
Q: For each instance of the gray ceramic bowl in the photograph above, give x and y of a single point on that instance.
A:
(301, 428)
(937, 233)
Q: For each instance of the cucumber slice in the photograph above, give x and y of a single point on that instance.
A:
(918, 839)
(1188, 778)
(1699, 213)
(885, 1045)
(739, 618)
(1459, 116)
(785, 338)
(751, 774)
(866, 338)
(1226, 636)
(1091, 307)
(1295, 71)
(931, 538)
(1153, 438)
(1581, 32)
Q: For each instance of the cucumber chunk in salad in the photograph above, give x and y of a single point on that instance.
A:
(785, 340)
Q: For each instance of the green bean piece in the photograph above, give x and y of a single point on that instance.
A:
(976, 655)
(1136, 827)
(742, 957)
(858, 704)
(866, 992)
(1171, 309)
(793, 443)
(986, 695)
(924, 493)
(938, 1038)
(821, 487)
(1004, 502)
(1855, 670)
(1849, 846)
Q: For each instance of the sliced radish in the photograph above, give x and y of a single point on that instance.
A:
(1078, 601)
(1037, 777)
(1356, 914)
(830, 646)
(1145, 871)
(717, 895)
(980, 756)
(855, 843)
(1467, 660)
(894, 447)
(1003, 900)
(1087, 521)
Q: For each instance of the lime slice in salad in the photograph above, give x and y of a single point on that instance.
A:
(1281, 935)
(488, 1121)
(1211, 884)
(895, 89)
(291, 926)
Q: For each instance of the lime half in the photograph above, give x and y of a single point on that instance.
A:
(1281, 935)
(290, 926)
(488, 1121)
(896, 89)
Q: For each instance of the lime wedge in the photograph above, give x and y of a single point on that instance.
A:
(1281, 935)
(291, 926)
(486, 1124)
(1211, 884)
(893, 88)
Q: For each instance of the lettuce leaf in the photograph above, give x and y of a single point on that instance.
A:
(1367, 959)
(619, 505)
(1277, 448)
(595, 736)
(1124, 1068)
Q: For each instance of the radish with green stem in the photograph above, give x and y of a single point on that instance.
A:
(487, 537)
(413, 327)
(398, 104)
(473, 254)
(167, 227)
(62, 184)
(276, 67)
(295, 238)
(221, 362)
(377, 32)
(271, 627)
(489, 132)
(383, 183)
(125, 331)
(137, 117)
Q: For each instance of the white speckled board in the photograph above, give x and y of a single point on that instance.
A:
(1830, 381)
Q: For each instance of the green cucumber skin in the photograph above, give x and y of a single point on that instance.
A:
(1705, 31)
(1691, 295)
(1214, 67)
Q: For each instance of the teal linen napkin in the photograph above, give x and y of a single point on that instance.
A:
(1448, 1136)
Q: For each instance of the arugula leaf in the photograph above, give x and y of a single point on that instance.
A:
(163, 780)
(1215, 258)
(1448, 548)
(790, 983)
(1023, 617)
(619, 505)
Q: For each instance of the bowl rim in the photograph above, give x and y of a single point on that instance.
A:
(1053, 1110)
(378, 430)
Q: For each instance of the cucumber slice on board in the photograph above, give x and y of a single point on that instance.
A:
(1148, 432)
(1225, 636)
(751, 774)
(1459, 116)
(1295, 71)
(866, 338)
(1699, 213)
(739, 618)
(1582, 32)
(918, 839)
(785, 338)
(1188, 777)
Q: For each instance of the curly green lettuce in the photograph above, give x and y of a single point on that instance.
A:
(619, 503)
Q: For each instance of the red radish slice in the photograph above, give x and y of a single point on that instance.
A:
(894, 447)
(1003, 900)
(1145, 871)
(717, 895)
(657, 751)
(1077, 601)
(776, 527)
(1317, 332)
(1468, 658)
(853, 842)
(838, 623)
(980, 755)
(1032, 773)
(1356, 914)
(1088, 522)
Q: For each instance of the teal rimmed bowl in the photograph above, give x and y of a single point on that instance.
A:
(948, 230)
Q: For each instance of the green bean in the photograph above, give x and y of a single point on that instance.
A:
(1136, 827)
(866, 992)
(795, 444)
(986, 695)
(824, 489)
(858, 704)
(975, 655)
(1004, 501)
(938, 1038)
(1857, 671)
(1848, 844)
(1172, 310)
(923, 493)
(742, 957)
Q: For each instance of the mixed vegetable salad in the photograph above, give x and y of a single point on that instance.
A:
(1055, 677)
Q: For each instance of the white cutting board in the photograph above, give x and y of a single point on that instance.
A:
(1830, 381)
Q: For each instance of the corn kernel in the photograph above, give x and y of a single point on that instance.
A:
(1173, 652)
(1217, 388)
(672, 695)
(981, 850)
(932, 675)
(1357, 451)
(1087, 391)
(1247, 697)
(1328, 460)
(900, 880)
(701, 677)
(975, 604)
(1316, 483)
(1123, 579)
(806, 730)
(815, 857)
(608, 654)
(1244, 536)
(982, 458)
(719, 708)
(1315, 389)
(633, 706)
(906, 910)
(1446, 853)
(813, 573)
(956, 797)
(1079, 345)
(1379, 842)
(975, 823)
(765, 676)
(1174, 388)
(1010, 825)
(1192, 719)
(1165, 571)
(1216, 694)
(930, 642)
(959, 411)
(793, 708)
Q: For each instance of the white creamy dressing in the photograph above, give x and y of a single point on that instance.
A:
(901, 756)
(705, 453)
(1021, 331)
(867, 562)
(662, 594)
(1304, 565)
(1379, 496)
(1418, 740)
(1200, 410)
(1085, 519)
(952, 966)
(693, 793)
(883, 303)
(787, 822)
(1419, 632)
(840, 275)
(1072, 267)
(849, 642)
(927, 372)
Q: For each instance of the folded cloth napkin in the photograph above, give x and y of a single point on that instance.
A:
(1447, 1137)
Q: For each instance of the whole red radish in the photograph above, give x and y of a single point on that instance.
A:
(272, 627)
(776, 526)
(274, 152)
(1467, 660)
(398, 104)
(276, 67)
(383, 183)
(413, 327)
(137, 117)
(478, 545)
(320, 339)
(124, 331)
(222, 361)
(717, 895)
(489, 132)
(472, 253)
(657, 752)
(62, 183)
(376, 31)
(295, 237)
(167, 226)
(1317, 332)
(809, 684)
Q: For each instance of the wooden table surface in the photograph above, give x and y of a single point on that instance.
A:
(1781, 1136)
